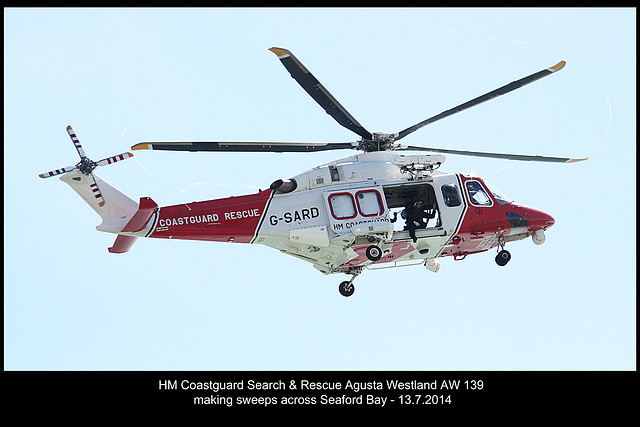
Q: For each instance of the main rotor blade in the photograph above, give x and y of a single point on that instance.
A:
(273, 147)
(522, 157)
(319, 93)
(487, 96)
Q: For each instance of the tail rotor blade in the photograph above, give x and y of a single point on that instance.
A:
(114, 159)
(96, 190)
(57, 172)
(74, 138)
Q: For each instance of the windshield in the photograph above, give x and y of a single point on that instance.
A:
(499, 196)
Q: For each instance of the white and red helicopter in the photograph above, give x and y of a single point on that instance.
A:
(339, 216)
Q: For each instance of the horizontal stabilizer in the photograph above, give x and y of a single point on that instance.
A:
(122, 244)
(138, 222)
(146, 208)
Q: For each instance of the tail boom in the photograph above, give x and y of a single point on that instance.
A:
(232, 219)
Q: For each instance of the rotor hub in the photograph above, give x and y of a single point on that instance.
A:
(86, 165)
(381, 141)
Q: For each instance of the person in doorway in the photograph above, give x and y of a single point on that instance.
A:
(417, 217)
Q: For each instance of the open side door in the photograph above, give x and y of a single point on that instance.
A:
(444, 192)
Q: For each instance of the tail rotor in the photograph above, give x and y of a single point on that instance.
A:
(87, 166)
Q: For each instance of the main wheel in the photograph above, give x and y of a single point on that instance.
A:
(346, 289)
(503, 258)
(374, 253)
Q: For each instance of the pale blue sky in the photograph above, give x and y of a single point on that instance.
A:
(121, 76)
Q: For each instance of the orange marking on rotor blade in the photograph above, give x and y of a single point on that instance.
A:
(558, 66)
(280, 52)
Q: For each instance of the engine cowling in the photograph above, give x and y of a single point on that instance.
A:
(284, 185)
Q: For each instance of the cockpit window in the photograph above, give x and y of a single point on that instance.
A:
(499, 195)
(477, 195)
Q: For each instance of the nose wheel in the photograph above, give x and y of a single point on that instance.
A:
(346, 288)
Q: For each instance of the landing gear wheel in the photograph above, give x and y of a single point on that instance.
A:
(346, 288)
(374, 253)
(503, 258)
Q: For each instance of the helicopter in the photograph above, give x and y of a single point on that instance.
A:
(340, 216)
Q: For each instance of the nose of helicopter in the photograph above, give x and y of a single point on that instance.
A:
(539, 219)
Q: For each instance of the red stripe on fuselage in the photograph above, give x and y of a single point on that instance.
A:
(232, 219)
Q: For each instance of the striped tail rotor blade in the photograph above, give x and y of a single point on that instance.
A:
(57, 172)
(114, 159)
(96, 191)
(74, 138)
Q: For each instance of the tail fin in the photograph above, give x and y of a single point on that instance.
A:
(120, 214)
(116, 210)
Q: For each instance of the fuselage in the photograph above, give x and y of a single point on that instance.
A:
(331, 214)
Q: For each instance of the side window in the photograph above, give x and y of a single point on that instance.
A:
(477, 195)
(451, 195)
(342, 206)
(369, 203)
